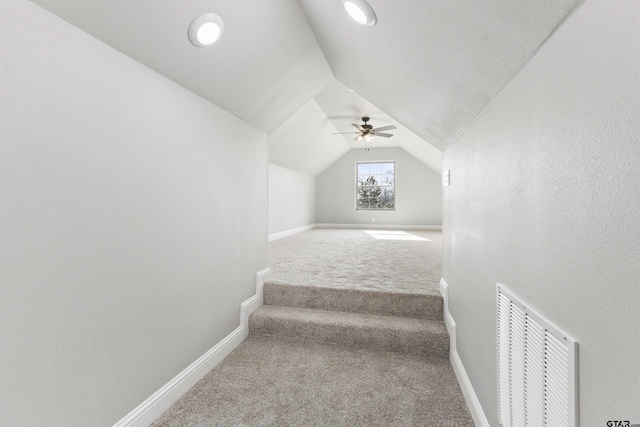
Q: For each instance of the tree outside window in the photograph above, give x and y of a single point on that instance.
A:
(375, 186)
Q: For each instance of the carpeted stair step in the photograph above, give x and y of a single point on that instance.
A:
(425, 306)
(400, 334)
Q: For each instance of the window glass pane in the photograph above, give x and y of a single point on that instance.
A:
(369, 180)
(387, 198)
(376, 168)
(387, 179)
(363, 168)
(388, 168)
(362, 179)
(362, 203)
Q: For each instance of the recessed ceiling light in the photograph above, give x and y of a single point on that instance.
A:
(360, 11)
(205, 30)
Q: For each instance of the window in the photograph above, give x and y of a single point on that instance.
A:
(375, 186)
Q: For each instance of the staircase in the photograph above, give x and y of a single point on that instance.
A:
(320, 356)
(399, 322)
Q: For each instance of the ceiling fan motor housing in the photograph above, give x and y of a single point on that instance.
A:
(365, 125)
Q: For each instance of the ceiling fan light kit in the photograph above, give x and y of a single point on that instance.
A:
(360, 11)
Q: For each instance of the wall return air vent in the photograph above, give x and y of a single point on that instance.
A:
(537, 368)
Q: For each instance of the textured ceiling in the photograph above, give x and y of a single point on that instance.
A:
(305, 143)
(428, 66)
(434, 65)
(343, 107)
(266, 65)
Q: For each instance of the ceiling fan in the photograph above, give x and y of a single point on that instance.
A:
(366, 131)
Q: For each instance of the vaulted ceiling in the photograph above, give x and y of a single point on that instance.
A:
(301, 70)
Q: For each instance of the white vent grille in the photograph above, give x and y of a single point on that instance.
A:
(537, 369)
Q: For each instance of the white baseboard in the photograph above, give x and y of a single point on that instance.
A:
(287, 233)
(448, 320)
(479, 418)
(253, 303)
(380, 226)
(149, 410)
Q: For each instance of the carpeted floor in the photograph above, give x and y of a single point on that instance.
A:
(351, 334)
(390, 260)
(270, 383)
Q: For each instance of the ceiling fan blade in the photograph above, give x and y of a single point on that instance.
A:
(384, 135)
(357, 126)
(385, 128)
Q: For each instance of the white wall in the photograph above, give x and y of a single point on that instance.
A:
(418, 191)
(291, 199)
(133, 223)
(545, 198)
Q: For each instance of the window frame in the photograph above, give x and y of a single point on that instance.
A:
(357, 186)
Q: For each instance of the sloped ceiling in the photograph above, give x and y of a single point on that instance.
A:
(434, 65)
(285, 66)
(343, 106)
(304, 142)
(266, 66)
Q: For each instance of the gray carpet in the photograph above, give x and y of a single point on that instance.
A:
(270, 383)
(389, 303)
(390, 260)
(336, 344)
(374, 331)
